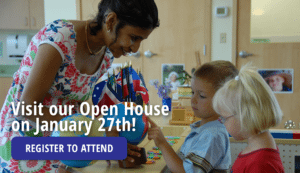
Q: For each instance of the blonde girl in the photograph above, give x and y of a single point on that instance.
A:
(248, 108)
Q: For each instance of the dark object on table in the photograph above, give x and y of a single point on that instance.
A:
(137, 160)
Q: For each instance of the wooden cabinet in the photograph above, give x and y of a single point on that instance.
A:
(5, 85)
(89, 9)
(36, 14)
(185, 28)
(25, 14)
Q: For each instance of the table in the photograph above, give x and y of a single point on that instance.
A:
(168, 130)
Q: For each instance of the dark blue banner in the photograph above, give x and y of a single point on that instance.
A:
(69, 148)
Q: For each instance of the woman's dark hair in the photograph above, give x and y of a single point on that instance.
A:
(137, 13)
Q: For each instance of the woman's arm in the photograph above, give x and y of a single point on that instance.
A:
(46, 64)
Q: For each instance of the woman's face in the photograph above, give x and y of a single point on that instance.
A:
(276, 82)
(128, 40)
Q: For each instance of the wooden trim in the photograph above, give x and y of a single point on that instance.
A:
(234, 31)
(288, 141)
(207, 31)
(172, 122)
(184, 98)
(78, 9)
(278, 141)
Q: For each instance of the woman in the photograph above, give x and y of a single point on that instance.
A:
(63, 62)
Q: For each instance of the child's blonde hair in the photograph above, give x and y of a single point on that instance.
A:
(250, 99)
(216, 72)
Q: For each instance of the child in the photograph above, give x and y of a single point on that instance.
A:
(278, 80)
(248, 108)
(173, 76)
(207, 147)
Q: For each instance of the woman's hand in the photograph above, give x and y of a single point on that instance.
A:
(155, 133)
(131, 149)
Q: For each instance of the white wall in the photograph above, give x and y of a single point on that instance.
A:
(291, 33)
(59, 9)
(221, 51)
(275, 20)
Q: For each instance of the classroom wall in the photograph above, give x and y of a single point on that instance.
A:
(219, 25)
(222, 51)
(226, 51)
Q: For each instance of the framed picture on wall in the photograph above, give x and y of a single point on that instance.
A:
(171, 73)
(279, 80)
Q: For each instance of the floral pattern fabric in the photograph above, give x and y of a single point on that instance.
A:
(70, 87)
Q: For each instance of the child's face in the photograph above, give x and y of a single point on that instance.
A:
(201, 102)
(276, 82)
(173, 78)
(233, 126)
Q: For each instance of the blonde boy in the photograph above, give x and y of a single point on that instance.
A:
(206, 148)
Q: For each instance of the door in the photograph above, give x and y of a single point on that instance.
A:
(270, 56)
(185, 29)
